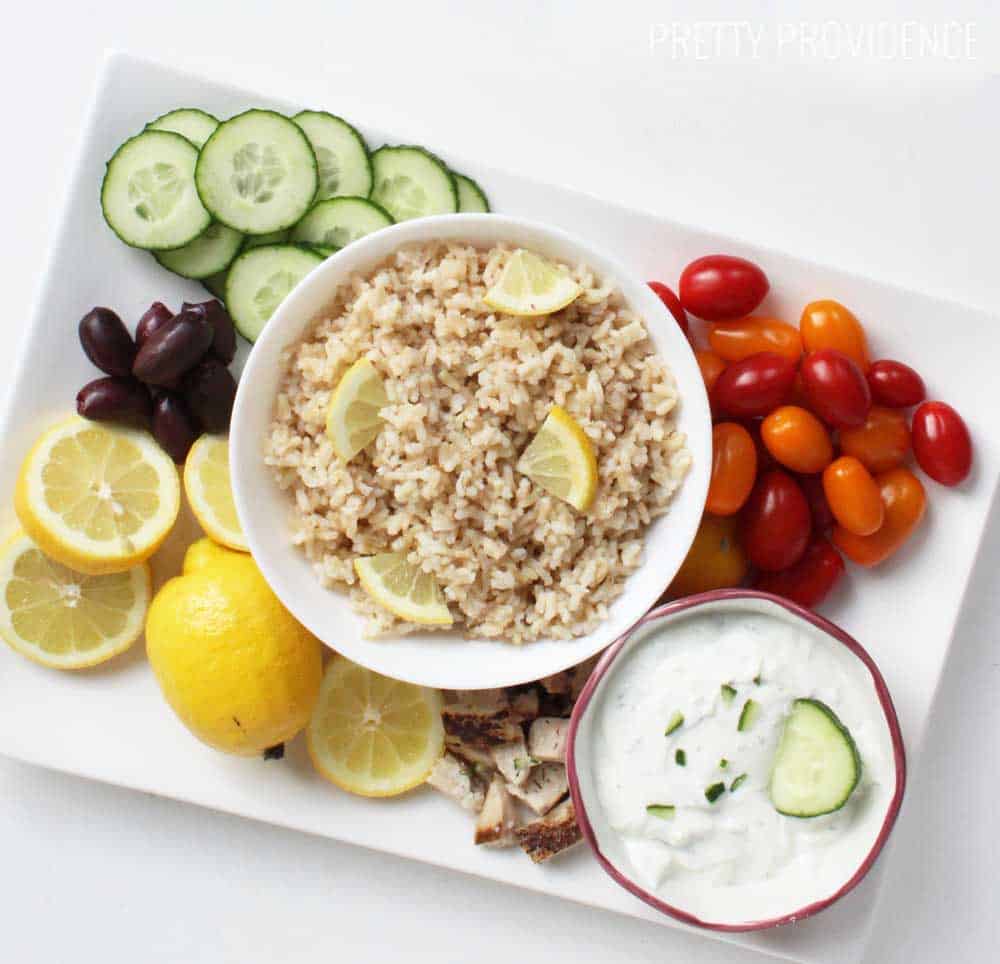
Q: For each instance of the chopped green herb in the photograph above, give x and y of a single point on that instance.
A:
(680, 758)
(521, 762)
(662, 810)
(676, 722)
(737, 783)
(756, 680)
(723, 763)
(728, 693)
(748, 715)
(715, 791)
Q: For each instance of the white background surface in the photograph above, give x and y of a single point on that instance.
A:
(875, 162)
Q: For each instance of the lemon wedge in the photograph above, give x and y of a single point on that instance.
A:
(373, 735)
(530, 286)
(404, 589)
(353, 420)
(209, 493)
(95, 497)
(62, 618)
(561, 460)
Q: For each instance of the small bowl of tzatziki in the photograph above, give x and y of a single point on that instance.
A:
(735, 761)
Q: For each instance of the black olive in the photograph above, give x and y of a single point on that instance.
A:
(114, 399)
(173, 426)
(156, 316)
(106, 341)
(224, 342)
(173, 349)
(209, 390)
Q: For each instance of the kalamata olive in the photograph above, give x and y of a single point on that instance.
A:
(209, 390)
(173, 426)
(156, 316)
(106, 341)
(114, 399)
(224, 342)
(173, 349)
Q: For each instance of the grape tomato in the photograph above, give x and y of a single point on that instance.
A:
(672, 303)
(738, 340)
(882, 443)
(895, 385)
(734, 468)
(853, 496)
(828, 324)
(835, 388)
(753, 386)
(797, 439)
(904, 502)
(721, 287)
(941, 443)
(810, 580)
(775, 522)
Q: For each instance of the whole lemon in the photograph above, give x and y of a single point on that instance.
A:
(234, 665)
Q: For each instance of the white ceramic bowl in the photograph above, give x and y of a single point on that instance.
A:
(446, 659)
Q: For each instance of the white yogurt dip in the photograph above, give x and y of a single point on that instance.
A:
(735, 860)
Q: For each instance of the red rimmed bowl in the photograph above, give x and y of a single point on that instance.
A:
(609, 845)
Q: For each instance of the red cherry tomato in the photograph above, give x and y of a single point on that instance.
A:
(734, 468)
(882, 443)
(819, 508)
(905, 501)
(853, 496)
(895, 385)
(797, 439)
(672, 304)
(776, 522)
(734, 341)
(722, 288)
(835, 388)
(828, 324)
(810, 580)
(941, 443)
(753, 386)
(711, 366)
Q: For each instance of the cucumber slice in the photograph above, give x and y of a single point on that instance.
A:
(675, 722)
(412, 183)
(816, 766)
(258, 240)
(715, 791)
(259, 280)
(148, 195)
(748, 715)
(728, 693)
(341, 153)
(664, 811)
(257, 172)
(680, 758)
(737, 783)
(211, 252)
(190, 122)
(216, 285)
(337, 222)
(471, 197)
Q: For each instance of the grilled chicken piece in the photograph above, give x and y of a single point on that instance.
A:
(492, 699)
(543, 839)
(480, 726)
(524, 705)
(480, 758)
(547, 739)
(513, 761)
(579, 676)
(453, 777)
(558, 684)
(497, 822)
(543, 789)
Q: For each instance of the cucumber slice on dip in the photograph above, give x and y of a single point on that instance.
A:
(817, 765)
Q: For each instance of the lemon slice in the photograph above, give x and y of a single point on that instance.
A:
(206, 484)
(65, 619)
(405, 590)
(373, 735)
(531, 286)
(561, 460)
(96, 497)
(353, 420)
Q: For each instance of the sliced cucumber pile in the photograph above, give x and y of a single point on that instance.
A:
(258, 281)
(190, 122)
(817, 765)
(211, 252)
(471, 197)
(257, 173)
(337, 222)
(412, 183)
(345, 169)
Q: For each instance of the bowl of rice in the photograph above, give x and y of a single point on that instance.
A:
(532, 584)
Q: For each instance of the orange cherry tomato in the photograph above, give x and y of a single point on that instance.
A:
(853, 496)
(828, 324)
(714, 561)
(882, 443)
(711, 366)
(797, 439)
(736, 340)
(734, 468)
(904, 501)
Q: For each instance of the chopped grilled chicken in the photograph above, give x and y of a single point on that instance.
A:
(547, 739)
(513, 761)
(497, 822)
(579, 676)
(544, 838)
(480, 726)
(543, 789)
(492, 699)
(480, 758)
(524, 705)
(557, 684)
(454, 779)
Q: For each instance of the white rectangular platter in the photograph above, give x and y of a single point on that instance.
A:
(111, 724)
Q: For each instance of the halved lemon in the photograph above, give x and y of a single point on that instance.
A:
(373, 735)
(209, 493)
(404, 589)
(97, 498)
(62, 618)
(561, 460)
(353, 420)
(530, 285)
